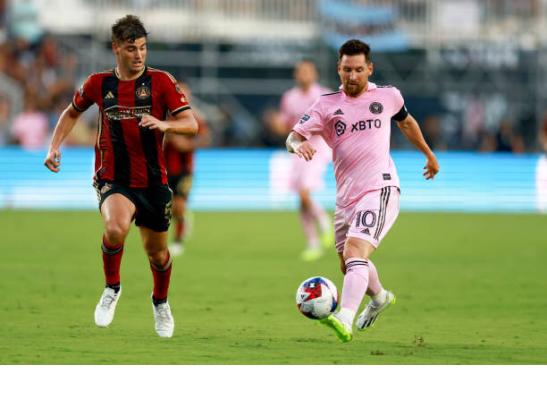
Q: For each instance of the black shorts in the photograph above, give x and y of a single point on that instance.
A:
(181, 184)
(153, 204)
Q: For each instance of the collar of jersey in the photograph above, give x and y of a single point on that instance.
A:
(117, 75)
(371, 86)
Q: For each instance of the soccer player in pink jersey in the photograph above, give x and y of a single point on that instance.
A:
(356, 123)
(306, 177)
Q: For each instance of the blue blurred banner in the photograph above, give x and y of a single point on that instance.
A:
(256, 179)
(373, 24)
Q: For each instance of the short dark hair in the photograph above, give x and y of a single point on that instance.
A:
(354, 47)
(128, 28)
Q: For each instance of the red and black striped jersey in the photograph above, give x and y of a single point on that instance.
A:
(182, 162)
(125, 153)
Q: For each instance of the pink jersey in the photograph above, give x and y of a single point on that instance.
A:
(294, 104)
(358, 130)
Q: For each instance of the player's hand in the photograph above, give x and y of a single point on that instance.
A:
(431, 167)
(53, 160)
(305, 150)
(150, 122)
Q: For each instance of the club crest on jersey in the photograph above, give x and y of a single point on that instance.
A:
(305, 118)
(340, 127)
(376, 108)
(143, 92)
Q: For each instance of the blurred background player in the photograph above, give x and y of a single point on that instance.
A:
(356, 123)
(130, 176)
(305, 177)
(179, 158)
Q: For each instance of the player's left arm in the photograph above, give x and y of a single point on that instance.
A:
(182, 123)
(185, 143)
(411, 130)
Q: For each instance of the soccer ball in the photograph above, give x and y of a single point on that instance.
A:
(316, 297)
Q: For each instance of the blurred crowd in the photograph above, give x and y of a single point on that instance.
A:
(37, 79)
(38, 76)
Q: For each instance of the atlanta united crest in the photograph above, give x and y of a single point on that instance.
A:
(143, 92)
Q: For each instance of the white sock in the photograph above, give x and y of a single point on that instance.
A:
(380, 297)
(346, 315)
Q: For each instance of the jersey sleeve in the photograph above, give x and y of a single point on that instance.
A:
(399, 109)
(85, 96)
(311, 122)
(174, 97)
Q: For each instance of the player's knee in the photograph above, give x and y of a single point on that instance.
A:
(350, 250)
(116, 232)
(178, 209)
(305, 203)
(356, 248)
(158, 257)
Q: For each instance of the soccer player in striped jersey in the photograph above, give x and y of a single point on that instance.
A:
(356, 123)
(130, 176)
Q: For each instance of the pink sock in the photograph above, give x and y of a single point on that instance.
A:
(310, 231)
(355, 283)
(320, 216)
(374, 285)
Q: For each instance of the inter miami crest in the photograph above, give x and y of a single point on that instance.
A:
(305, 118)
(340, 127)
(376, 108)
(143, 92)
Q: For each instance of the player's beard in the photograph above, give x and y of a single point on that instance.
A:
(354, 89)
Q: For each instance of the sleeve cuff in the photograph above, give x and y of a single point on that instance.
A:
(76, 107)
(180, 109)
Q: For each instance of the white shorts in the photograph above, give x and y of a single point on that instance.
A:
(370, 219)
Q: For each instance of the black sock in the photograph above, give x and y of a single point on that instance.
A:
(116, 287)
(157, 302)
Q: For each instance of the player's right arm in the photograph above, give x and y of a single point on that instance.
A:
(83, 99)
(310, 124)
(297, 144)
(66, 122)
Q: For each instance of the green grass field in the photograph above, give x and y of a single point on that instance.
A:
(471, 289)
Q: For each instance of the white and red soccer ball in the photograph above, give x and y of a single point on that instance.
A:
(317, 297)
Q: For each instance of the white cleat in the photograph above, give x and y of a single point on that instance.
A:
(104, 312)
(176, 249)
(165, 324)
(369, 315)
